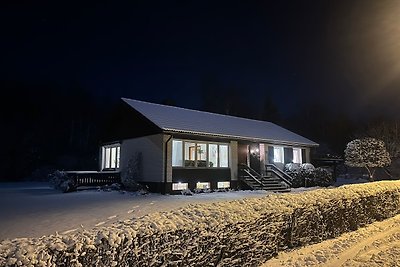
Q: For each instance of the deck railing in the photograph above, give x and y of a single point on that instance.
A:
(94, 178)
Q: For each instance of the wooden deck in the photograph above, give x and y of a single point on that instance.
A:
(94, 178)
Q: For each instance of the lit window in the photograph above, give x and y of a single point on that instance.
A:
(223, 155)
(297, 158)
(221, 185)
(201, 155)
(179, 186)
(190, 154)
(278, 154)
(111, 157)
(198, 154)
(177, 153)
(203, 185)
(213, 155)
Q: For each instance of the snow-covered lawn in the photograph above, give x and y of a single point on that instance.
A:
(35, 209)
(378, 244)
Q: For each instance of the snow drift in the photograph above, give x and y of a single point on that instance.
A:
(235, 233)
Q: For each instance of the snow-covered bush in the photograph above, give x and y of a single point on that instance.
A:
(307, 176)
(187, 192)
(290, 167)
(242, 232)
(133, 173)
(61, 181)
(368, 153)
(308, 167)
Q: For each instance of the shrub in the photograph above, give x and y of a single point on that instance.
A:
(242, 232)
(61, 181)
(307, 175)
(133, 173)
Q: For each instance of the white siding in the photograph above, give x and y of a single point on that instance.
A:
(151, 148)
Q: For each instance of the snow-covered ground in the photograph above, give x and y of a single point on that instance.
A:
(378, 244)
(35, 209)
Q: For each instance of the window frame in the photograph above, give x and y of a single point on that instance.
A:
(106, 162)
(197, 143)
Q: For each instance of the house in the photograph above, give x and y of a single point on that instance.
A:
(186, 149)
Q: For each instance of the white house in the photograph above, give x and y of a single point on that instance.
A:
(187, 149)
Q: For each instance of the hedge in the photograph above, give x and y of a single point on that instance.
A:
(234, 233)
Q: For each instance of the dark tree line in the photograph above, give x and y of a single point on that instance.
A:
(46, 127)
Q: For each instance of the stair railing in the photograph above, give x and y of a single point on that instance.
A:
(252, 173)
(286, 178)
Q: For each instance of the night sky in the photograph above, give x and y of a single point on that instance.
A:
(344, 54)
(327, 70)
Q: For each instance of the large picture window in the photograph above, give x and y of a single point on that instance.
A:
(111, 157)
(297, 158)
(199, 154)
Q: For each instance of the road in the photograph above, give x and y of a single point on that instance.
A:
(377, 244)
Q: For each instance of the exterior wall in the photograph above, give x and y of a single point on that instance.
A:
(233, 159)
(151, 148)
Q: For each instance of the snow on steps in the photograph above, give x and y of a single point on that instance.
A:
(234, 233)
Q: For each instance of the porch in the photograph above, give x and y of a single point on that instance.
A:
(260, 165)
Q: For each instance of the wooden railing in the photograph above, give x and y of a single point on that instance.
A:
(94, 178)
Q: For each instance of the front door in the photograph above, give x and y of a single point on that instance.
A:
(254, 152)
(243, 154)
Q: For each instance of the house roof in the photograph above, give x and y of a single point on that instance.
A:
(180, 120)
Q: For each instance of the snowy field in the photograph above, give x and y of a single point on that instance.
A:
(35, 209)
(378, 244)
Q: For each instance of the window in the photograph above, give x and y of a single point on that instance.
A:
(213, 155)
(221, 185)
(203, 185)
(179, 186)
(278, 154)
(190, 154)
(111, 157)
(297, 158)
(177, 153)
(223, 155)
(199, 154)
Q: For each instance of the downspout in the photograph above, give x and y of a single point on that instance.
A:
(166, 163)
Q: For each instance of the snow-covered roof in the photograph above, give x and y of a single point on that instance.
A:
(181, 120)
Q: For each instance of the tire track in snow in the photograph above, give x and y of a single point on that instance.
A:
(379, 241)
(353, 251)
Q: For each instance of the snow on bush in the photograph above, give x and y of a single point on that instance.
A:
(60, 180)
(368, 153)
(234, 233)
(306, 175)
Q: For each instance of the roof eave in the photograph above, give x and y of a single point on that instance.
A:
(272, 141)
